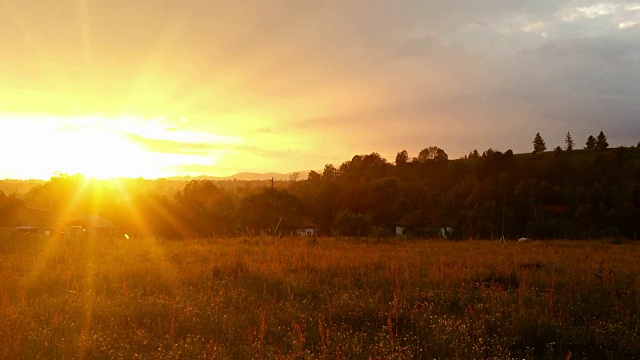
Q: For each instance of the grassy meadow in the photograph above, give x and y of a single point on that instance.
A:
(255, 298)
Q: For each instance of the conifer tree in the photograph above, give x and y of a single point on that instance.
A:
(591, 143)
(568, 141)
(601, 142)
(538, 144)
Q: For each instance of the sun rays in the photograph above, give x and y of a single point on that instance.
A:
(104, 148)
(90, 256)
(80, 95)
(99, 153)
(88, 105)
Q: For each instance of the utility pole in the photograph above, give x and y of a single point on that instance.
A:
(273, 199)
(504, 200)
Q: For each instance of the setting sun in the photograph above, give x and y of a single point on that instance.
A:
(96, 148)
(99, 153)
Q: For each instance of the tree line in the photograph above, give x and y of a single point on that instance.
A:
(567, 193)
(592, 143)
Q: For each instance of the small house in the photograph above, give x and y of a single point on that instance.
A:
(93, 225)
(425, 229)
(402, 227)
(298, 226)
(30, 220)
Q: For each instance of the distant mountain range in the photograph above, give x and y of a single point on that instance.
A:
(11, 186)
(249, 176)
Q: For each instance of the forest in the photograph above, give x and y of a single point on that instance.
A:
(565, 193)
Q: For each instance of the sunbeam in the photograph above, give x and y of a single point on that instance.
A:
(88, 294)
(58, 234)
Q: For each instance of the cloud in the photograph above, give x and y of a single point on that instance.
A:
(629, 24)
(590, 12)
(175, 147)
(277, 83)
(484, 82)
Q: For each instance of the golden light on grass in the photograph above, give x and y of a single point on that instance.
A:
(89, 298)
(239, 297)
(80, 254)
(45, 256)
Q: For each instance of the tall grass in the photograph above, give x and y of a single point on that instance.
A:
(334, 299)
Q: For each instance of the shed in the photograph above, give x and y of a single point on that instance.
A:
(428, 228)
(401, 226)
(299, 226)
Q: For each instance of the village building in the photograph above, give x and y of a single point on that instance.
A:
(33, 221)
(298, 226)
(91, 225)
(404, 227)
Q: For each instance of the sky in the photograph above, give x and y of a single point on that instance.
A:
(158, 88)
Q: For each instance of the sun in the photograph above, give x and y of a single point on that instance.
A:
(40, 148)
(102, 154)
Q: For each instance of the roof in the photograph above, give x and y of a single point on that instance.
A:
(429, 219)
(28, 216)
(401, 222)
(298, 222)
(92, 221)
(557, 208)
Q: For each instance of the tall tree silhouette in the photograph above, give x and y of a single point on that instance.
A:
(601, 142)
(402, 157)
(538, 144)
(568, 141)
(591, 143)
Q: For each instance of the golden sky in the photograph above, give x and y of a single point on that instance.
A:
(158, 88)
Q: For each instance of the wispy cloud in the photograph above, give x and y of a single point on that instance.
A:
(175, 147)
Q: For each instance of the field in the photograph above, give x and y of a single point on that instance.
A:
(291, 298)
